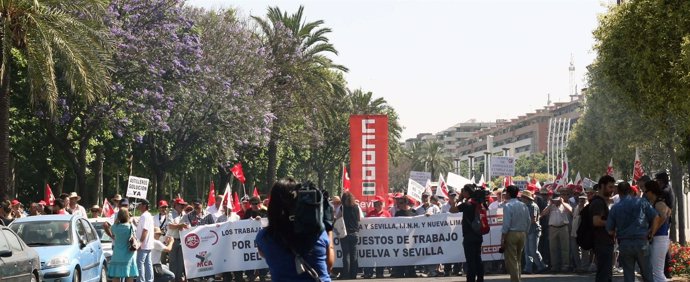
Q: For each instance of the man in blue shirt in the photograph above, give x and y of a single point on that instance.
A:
(633, 221)
(516, 223)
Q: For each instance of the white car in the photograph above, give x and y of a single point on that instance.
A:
(106, 241)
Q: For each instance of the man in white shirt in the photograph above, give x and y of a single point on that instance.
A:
(216, 210)
(76, 208)
(163, 273)
(427, 208)
(162, 220)
(144, 233)
(559, 213)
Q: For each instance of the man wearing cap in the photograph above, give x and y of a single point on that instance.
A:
(532, 255)
(559, 213)
(377, 211)
(452, 207)
(163, 218)
(174, 227)
(75, 207)
(255, 212)
(144, 233)
(161, 271)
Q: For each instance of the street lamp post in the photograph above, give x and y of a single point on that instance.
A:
(487, 160)
(470, 164)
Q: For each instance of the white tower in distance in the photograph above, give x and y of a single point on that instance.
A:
(572, 86)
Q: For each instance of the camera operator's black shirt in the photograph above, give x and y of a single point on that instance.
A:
(468, 212)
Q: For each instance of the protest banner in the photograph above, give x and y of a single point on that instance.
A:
(522, 184)
(588, 183)
(369, 156)
(415, 189)
(137, 187)
(457, 181)
(419, 240)
(420, 177)
(502, 166)
(217, 248)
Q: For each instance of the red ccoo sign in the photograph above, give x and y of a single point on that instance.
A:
(369, 156)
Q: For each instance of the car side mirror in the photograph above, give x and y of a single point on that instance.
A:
(82, 243)
(5, 253)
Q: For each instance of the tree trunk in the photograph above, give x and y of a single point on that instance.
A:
(677, 186)
(100, 159)
(4, 124)
(272, 167)
(161, 174)
(321, 175)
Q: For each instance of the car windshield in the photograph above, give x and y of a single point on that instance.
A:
(101, 232)
(44, 233)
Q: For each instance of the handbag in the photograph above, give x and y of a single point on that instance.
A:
(134, 243)
(339, 228)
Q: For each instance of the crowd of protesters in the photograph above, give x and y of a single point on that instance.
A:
(539, 230)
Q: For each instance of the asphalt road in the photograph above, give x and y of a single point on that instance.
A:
(534, 277)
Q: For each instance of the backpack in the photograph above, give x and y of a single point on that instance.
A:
(585, 232)
(480, 223)
(313, 213)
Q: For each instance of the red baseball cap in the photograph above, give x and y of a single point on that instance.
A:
(15, 202)
(379, 199)
(180, 201)
(42, 202)
(162, 203)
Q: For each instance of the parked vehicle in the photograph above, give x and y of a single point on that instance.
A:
(68, 246)
(18, 262)
(106, 241)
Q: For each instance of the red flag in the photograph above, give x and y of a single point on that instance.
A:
(48, 196)
(238, 172)
(346, 180)
(507, 181)
(236, 205)
(107, 210)
(638, 171)
(609, 169)
(256, 192)
(211, 195)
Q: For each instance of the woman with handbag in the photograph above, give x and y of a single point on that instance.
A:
(123, 263)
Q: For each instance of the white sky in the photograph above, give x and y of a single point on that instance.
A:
(443, 62)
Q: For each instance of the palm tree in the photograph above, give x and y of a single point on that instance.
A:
(59, 42)
(297, 58)
(429, 156)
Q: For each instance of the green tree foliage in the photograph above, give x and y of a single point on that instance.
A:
(642, 65)
(58, 42)
(534, 163)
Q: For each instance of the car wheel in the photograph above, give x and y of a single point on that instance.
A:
(75, 277)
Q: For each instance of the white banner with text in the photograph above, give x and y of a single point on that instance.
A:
(396, 241)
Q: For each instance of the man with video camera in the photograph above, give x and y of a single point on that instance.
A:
(472, 241)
